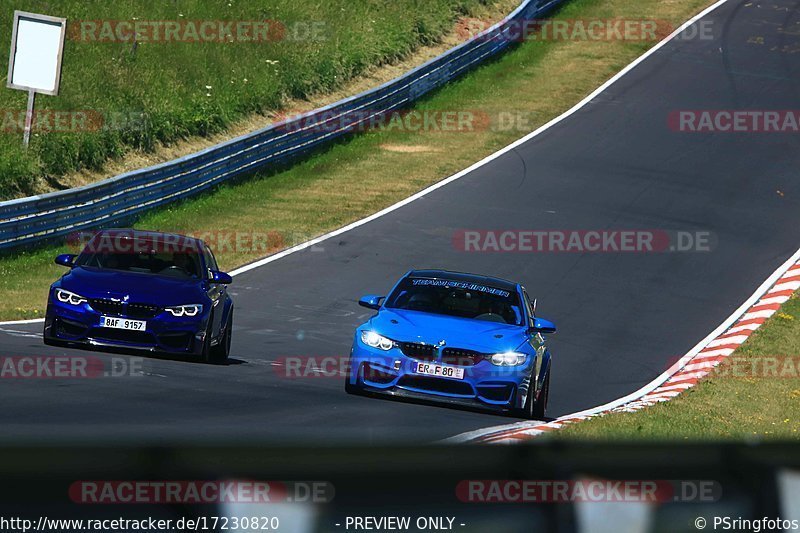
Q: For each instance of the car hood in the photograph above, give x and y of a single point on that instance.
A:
(131, 286)
(414, 326)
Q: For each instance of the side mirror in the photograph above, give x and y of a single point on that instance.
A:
(540, 325)
(67, 260)
(221, 277)
(371, 301)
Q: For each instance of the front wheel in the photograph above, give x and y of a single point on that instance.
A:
(218, 355)
(535, 407)
(52, 340)
(540, 406)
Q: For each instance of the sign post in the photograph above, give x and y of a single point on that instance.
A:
(26, 137)
(37, 46)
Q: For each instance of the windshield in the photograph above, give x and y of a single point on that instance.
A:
(457, 298)
(182, 265)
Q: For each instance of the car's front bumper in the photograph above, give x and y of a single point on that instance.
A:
(484, 385)
(80, 325)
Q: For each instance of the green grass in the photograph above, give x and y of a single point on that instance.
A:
(733, 402)
(158, 93)
(537, 80)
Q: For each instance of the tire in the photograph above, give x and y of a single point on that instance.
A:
(535, 408)
(218, 355)
(51, 340)
(540, 406)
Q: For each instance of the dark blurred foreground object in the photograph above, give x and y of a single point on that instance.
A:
(435, 485)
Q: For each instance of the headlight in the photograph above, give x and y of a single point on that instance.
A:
(372, 339)
(70, 297)
(185, 310)
(509, 359)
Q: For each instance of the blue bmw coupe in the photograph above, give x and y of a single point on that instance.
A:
(142, 290)
(454, 338)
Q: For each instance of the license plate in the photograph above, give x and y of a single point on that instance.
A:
(430, 369)
(122, 323)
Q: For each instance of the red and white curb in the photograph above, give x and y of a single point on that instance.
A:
(685, 374)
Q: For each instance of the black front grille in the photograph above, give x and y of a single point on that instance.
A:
(460, 357)
(176, 341)
(69, 327)
(423, 352)
(444, 386)
(141, 311)
(106, 307)
(130, 310)
(123, 335)
(497, 393)
(449, 356)
(376, 375)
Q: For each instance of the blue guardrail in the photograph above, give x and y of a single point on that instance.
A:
(121, 199)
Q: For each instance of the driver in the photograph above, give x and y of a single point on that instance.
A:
(491, 310)
(421, 301)
(185, 263)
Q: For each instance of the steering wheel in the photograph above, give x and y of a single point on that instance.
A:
(174, 270)
(491, 317)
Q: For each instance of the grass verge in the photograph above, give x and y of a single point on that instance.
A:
(754, 394)
(161, 87)
(533, 83)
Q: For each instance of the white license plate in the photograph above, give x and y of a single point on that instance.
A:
(431, 369)
(122, 323)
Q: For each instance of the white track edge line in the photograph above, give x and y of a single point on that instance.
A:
(643, 391)
(468, 170)
(485, 160)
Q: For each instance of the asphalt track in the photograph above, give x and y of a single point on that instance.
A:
(614, 164)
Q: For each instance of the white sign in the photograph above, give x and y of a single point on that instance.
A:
(37, 44)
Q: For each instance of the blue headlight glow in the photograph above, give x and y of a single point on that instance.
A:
(68, 297)
(185, 310)
(508, 359)
(373, 340)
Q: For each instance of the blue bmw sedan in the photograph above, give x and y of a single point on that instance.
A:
(454, 338)
(142, 290)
